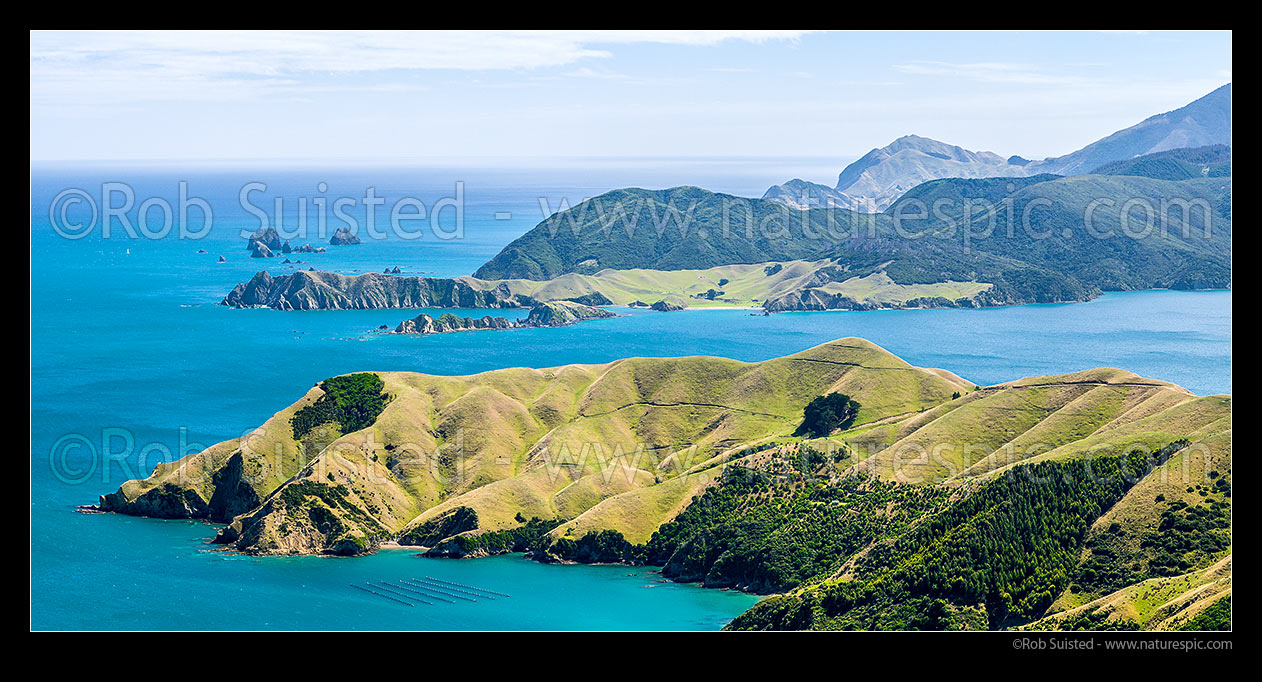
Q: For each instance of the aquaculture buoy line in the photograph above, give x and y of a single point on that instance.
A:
(395, 590)
(391, 590)
(408, 590)
(471, 587)
(427, 586)
(453, 590)
(382, 595)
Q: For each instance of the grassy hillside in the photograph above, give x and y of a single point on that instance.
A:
(1141, 544)
(1183, 602)
(756, 285)
(674, 229)
(552, 444)
(1094, 497)
(699, 230)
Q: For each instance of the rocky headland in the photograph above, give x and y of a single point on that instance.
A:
(552, 314)
(318, 290)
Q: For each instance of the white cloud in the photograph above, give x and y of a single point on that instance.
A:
(213, 65)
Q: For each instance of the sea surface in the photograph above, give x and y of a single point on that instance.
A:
(132, 363)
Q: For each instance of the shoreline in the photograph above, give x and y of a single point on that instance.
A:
(746, 307)
(646, 569)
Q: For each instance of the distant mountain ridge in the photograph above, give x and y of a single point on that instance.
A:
(885, 174)
(882, 175)
(803, 194)
(1205, 121)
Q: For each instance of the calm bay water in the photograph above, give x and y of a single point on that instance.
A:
(128, 351)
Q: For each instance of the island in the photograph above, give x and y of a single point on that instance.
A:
(321, 290)
(551, 314)
(263, 243)
(343, 237)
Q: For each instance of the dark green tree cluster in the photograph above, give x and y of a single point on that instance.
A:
(767, 534)
(530, 536)
(352, 401)
(1188, 536)
(828, 413)
(443, 526)
(605, 547)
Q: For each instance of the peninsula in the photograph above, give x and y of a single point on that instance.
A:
(704, 466)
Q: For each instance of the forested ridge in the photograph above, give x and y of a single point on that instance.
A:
(1038, 239)
(997, 557)
(851, 551)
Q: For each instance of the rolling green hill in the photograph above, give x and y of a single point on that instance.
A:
(1112, 232)
(787, 285)
(1212, 161)
(675, 229)
(1039, 239)
(950, 198)
(1043, 502)
(512, 441)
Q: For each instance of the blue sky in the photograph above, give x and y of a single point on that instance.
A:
(431, 96)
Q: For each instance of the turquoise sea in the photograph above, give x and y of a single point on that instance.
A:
(131, 362)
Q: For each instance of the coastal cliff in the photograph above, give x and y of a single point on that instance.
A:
(777, 287)
(563, 314)
(552, 314)
(424, 324)
(318, 290)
